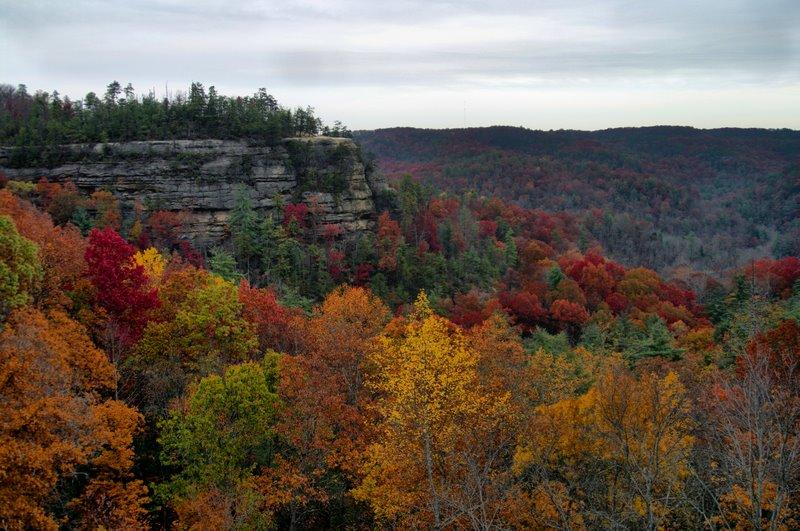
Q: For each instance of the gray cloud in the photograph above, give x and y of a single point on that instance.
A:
(370, 45)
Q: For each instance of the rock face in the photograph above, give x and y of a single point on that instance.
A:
(202, 178)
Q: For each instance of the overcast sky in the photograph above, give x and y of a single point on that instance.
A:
(428, 63)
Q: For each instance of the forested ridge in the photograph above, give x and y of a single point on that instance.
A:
(655, 196)
(36, 124)
(469, 363)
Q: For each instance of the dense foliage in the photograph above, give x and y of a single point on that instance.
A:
(35, 124)
(660, 197)
(470, 363)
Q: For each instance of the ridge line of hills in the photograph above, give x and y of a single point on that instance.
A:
(660, 196)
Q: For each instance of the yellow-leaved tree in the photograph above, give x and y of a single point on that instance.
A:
(621, 451)
(152, 262)
(436, 452)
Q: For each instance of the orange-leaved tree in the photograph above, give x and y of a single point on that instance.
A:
(62, 442)
(326, 406)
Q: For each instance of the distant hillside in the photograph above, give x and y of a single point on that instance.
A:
(658, 196)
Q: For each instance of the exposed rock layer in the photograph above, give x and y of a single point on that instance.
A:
(203, 177)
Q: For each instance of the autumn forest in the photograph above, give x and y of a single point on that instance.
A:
(556, 330)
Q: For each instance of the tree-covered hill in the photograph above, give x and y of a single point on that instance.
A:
(658, 196)
(36, 123)
(470, 363)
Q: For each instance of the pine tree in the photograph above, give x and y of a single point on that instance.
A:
(112, 92)
(554, 277)
(511, 249)
(223, 264)
(657, 341)
(245, 233)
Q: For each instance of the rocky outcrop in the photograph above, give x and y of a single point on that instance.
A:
(203, 178)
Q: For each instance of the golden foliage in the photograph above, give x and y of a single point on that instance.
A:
(436, 421)
(54, 419)
(640, 427)
(152, 262)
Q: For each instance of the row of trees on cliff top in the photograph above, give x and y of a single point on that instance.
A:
(35, 122)
(138, 389)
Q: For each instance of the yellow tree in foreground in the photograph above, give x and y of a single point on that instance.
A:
(620, 450)
(435, 458)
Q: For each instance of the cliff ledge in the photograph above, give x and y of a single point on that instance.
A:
(203, 177)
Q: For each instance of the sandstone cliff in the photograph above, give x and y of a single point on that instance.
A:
(202, 178)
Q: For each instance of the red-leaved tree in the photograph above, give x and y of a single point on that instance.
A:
(122, 286)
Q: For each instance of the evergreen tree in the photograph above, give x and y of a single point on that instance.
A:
(112, 92)
(82, 220)
(555, 344)
(510, 249)
(554, 277)
(625, 335)
(594, 339)
(245, 234)
(656, 341)
(222, 263)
